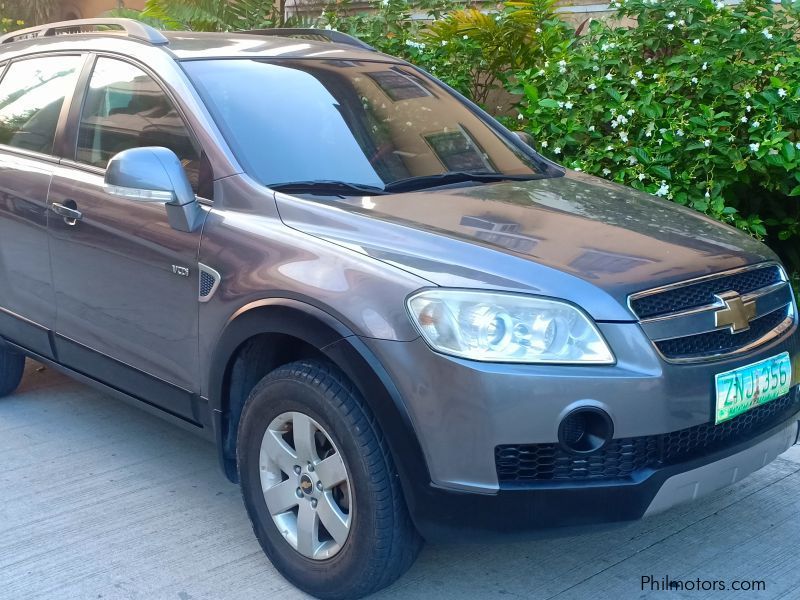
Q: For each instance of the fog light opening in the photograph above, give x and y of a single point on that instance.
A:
(585, 430)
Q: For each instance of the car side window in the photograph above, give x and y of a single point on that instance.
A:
(125, 108)
(32, 93)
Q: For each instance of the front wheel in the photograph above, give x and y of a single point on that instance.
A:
(319, 484)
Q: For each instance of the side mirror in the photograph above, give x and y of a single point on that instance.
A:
(155, 174)
(525, 137)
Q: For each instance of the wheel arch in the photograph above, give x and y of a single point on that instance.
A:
(305, 331)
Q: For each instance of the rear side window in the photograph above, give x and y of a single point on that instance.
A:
(125, 108)
(32, 93)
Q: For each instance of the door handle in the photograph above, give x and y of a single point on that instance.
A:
(71, 215)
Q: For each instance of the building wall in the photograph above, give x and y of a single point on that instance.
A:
(86, 9)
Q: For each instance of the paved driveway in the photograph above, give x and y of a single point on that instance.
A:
(100, 500)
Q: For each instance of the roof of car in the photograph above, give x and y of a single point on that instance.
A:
(192, 45)
(101, 34)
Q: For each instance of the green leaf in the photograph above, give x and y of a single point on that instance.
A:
(548, 103)
(662, 172)
(795, 191)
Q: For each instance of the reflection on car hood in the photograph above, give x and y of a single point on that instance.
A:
(578, 230)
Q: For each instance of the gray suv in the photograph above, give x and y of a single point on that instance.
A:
(393, 317)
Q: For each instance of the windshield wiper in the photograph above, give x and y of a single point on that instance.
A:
(428, 181)
(324, 187)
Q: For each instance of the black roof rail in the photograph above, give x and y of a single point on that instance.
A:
(329, 35)
(129, 27)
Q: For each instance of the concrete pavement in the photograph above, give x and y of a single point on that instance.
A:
(100, 500)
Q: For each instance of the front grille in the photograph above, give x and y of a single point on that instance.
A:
(720, 341)
(703, 293)
(622, 458)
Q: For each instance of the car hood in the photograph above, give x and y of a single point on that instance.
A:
(575, 237)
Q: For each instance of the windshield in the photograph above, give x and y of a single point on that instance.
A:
(364, 123)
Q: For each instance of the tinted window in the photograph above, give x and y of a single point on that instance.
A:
(32, 93)
(363, 122)
(125, 108)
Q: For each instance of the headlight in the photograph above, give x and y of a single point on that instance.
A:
(502, 327)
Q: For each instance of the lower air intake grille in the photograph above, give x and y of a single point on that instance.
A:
(527, 463)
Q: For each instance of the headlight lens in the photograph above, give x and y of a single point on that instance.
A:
(501, 327)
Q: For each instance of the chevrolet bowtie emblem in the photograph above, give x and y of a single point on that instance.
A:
(737, 313)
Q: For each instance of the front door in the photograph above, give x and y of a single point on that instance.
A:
(126, 283)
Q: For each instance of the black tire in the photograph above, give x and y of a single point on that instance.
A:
(12, 365)
(382, 543)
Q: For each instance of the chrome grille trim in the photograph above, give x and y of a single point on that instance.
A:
(694, 322)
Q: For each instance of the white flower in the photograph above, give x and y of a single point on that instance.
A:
(766, 33)
(632, 160)
(782, 93)
(623, 135)
(755, 124)
(538, 30)
(631, 112)
(744, 119)
(609, 76)
(562, 70)
(696, 42)
(560, 104)
(595, 68)
(520, 116)
(705, 66)
(557, 150)
(679, 133)
(592, 87)
(544, 144)
(754, 147)
(609, 148)
(731, 138)
(591, 128)
(681, 23)
(562, 63)
(414, 44)
(639, 74)
(776, 68)
(671, 14)
(663, 190)
(720, 5)
(606, 171)
(622, 119)
(634, 82)
(706, 143)
(641, 176)
(747, 95)
(743, 31)
(694, 79)
(671, 26)
(748, 108)
(797, 145)
(708, 195)
(568, 105)
(541, 72)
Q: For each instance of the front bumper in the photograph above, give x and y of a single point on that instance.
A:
(560, 509)
(462, 412)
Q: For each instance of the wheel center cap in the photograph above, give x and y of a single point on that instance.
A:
(306, 484)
